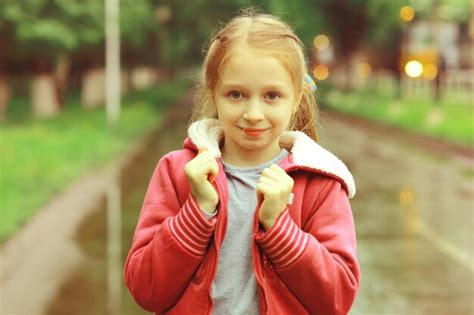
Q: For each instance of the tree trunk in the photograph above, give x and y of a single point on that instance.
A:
(125, 82)
(398, 86)
(4, 97)
(142, 77)
(61, 74)
(347, 76)
(439, 79)
(93, 88)
(44, 98)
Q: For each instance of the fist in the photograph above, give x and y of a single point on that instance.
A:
(273, 188)
(200, 173)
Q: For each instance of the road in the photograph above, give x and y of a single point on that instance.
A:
(414, 221)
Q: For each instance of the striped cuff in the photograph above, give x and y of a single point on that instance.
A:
(192, 229)
(284, 242)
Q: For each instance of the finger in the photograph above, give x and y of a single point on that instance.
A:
(278, 169)
(204, 156)
(207, 166)
(284, 175)
(269, 181)
(213, 171)
(259, 196)
(263, 189)
(202, 149)
(274, 189)
(271, 173)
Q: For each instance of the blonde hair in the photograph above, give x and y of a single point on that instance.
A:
(264, 32)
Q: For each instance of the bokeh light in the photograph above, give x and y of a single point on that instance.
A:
(163, 14)
(364, 69)
(321, 42)
(413, 68)
(321, 72)
(407, 13)
(430, 71)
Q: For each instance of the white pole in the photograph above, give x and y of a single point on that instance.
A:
(112, 61)
(112, 69)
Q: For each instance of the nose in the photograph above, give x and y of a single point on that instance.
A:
(253, 112)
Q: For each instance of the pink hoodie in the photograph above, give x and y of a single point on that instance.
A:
(305, 263)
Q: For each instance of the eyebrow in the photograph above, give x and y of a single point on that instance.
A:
(275, 86)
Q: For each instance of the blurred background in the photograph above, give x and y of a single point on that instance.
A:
(93, 93)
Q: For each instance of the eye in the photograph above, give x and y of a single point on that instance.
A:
(235, 95)
(272, 96)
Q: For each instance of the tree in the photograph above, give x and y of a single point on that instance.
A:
(348, 21)
(384, 39)
(46, 38)
(43, 34)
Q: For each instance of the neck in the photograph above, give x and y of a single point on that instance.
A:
(248, 158)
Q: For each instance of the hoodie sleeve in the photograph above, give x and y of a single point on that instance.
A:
(169, 243)
(318, 265)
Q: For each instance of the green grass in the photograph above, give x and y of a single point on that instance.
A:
(39, 158)
(412, 113)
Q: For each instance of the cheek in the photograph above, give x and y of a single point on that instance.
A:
(279, 119)
(229, 112)
(226, 117)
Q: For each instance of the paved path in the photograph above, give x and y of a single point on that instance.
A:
(414, 219)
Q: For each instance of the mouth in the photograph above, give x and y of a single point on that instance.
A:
(253, 131)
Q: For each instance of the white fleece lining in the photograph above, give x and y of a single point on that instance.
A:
(306, 152)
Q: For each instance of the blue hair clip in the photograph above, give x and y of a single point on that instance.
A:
(310, 82)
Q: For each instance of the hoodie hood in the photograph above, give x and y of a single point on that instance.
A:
(306, 153)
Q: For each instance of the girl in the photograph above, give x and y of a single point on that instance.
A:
(252, 215)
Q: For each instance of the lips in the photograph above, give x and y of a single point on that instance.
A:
(253, 129)
(253, 132)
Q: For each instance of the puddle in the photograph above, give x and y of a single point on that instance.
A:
(85, 292)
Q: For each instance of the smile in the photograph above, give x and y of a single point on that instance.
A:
(252, 131)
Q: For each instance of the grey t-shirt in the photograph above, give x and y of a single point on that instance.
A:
(234, 290)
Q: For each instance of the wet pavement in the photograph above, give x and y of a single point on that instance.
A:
(414, 220)
(89, 282)
(413, 212)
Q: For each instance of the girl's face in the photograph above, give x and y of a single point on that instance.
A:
(255, 98)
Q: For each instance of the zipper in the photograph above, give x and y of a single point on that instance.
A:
(217, 249)
(214, 268)
(255, 257)
(265, 263)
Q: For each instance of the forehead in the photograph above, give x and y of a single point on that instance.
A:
(253, 68)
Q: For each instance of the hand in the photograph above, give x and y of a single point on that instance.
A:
(274, 187)
(200, 173)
